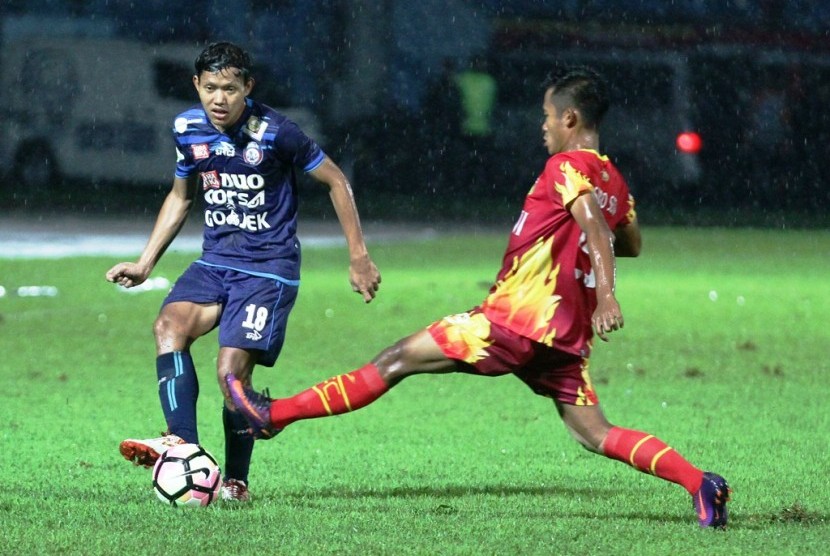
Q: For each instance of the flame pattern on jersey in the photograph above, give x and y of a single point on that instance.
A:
(544, 290)
(526, 296)
(575, 183)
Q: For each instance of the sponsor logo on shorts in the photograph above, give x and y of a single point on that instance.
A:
(253, 335)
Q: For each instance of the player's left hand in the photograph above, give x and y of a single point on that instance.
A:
(607, 317)
(364, 277)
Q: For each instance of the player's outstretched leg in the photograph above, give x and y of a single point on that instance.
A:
(145, 452)
(649, 454)
(335, 396)
(710, 501)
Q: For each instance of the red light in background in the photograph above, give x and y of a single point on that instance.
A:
(689, 142)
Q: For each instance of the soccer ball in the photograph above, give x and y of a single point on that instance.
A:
(187, 475)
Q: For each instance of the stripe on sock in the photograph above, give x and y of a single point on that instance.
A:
(656, 458)
(171, 394)
(637, 447)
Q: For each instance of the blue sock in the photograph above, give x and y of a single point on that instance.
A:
(178, 391)
(239, 445)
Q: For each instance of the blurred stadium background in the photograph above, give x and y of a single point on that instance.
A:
(720, 111)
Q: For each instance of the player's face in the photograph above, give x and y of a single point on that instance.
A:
(553, 127)
(223, 95)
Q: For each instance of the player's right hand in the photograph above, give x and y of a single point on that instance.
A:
(127, 275)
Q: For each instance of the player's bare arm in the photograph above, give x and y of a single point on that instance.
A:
(599, 240)
(171, 218)
(363, 274)
(627, 240)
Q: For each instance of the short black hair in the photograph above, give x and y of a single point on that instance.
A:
(583, 88)
(222, 55)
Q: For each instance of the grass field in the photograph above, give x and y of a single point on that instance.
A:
(724, 356)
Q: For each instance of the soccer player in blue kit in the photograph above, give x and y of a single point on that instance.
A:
(243, 156)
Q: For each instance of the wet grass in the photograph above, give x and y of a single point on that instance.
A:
(722, 356)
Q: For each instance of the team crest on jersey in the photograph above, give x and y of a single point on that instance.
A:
(255, 128)
(252, 153)
(604, 176)
(210, 180)
(200, 151)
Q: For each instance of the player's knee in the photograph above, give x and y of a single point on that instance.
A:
(163, 327)
(169, 334)
(392, 363)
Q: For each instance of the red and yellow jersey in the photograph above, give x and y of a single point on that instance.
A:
(545, 288)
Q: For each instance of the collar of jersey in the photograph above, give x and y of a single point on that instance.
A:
(595, 153)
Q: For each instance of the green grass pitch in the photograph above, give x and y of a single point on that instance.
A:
(723, 355)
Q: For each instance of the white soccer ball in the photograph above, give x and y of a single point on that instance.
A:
(187, 475)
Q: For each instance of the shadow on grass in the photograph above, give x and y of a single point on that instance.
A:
(444, 496)
(451, 491)
(795, 515)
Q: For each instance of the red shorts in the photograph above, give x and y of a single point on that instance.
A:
(484, 348)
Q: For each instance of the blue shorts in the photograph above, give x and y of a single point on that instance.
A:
(254, 308)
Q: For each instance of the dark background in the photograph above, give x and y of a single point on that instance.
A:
(755, 76)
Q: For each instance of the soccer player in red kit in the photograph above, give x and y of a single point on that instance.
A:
(555, 287)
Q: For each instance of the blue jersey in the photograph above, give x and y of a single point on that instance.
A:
(248, 176)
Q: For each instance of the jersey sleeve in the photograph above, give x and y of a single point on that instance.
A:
(296, 148)
(630, 212)
(185, 164)
(567, 180)
(623, 212)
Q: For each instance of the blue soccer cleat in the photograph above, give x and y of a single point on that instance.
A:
(256, 408)
(710, 501)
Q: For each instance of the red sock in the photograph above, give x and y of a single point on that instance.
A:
(649, 454)
(334, 396)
